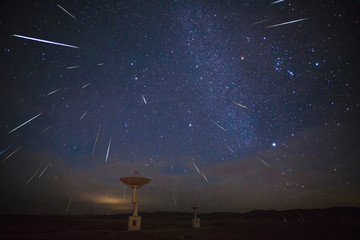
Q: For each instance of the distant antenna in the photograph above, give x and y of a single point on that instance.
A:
(195, 220)
(135, 182)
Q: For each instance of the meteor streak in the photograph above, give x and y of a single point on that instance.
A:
(68, 206)
(108, 149)
(240, 105)
(54, 91)
(264, 162)
(173, 197)
(200, 172)
(66, 11)
(96, 140)
(100, 64)
(25, 123)
(44, 170)
(285, 23)
(255, 23)
(85, 85)
(144, 98)
(277, 1)
(124, 193)
(229, 148)
(72, 67)
(196, 167)
(218, 125)
(6, 149)
(32, 177)
(44, 41)
(107, 191)
(10, 154)
(204, 176)
(46, 129)
(83, 115)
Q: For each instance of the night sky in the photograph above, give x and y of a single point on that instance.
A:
(212, 100)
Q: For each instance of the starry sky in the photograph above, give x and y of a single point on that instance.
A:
(220, 104)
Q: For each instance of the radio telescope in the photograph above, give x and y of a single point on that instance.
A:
(134, 183)
(195, 220)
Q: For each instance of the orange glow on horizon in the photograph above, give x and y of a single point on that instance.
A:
(108, 200)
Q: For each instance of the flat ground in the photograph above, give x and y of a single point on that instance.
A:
(44, 227)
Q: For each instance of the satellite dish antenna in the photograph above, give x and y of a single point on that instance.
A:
(134, 183)
(195, 220)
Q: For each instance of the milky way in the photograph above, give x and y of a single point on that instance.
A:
(230, 105)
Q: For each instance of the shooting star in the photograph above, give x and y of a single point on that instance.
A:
(83, 115)
(108, 149)
(68, 206)
(44, 41)
(100, 64)
(85, 85)
(143, 98)
(44, 170)
(66, 11)
(255, 23)
(45, 130)
(32, 177)
(204, 176)
(107, 190)
(196, 167)
(229, 148)
(277, 1)
(240, 105)
(124, 192)
(96, 141)
(218, 125)
(73, 67)
(10, 154)
(173, 197)
(264, 162)
(6, 149)
(25, 123)
(290, 22)
(54, 91)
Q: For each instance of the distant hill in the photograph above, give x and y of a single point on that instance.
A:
(334, 214)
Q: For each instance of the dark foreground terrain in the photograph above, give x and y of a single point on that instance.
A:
(333, 223)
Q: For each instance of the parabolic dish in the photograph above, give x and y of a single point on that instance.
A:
(135, 181)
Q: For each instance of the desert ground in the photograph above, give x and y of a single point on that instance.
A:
(258, 225)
